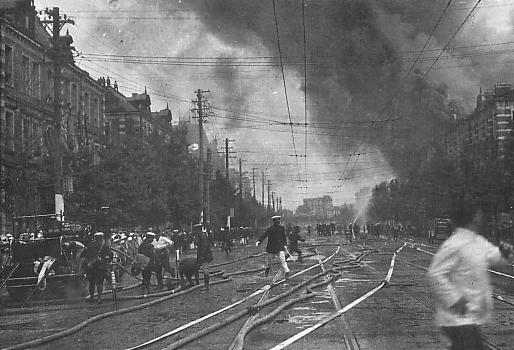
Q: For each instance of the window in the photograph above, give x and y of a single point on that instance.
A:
(27, 139)
(8, 66)
(94, 112)
(9, 131)
(36, 80)
(37, 139)
(121, 126)
(86, 107)
(26, 84)
(74, 98)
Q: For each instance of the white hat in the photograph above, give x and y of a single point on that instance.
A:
(150, 233)
(276, 217)
(99, 234)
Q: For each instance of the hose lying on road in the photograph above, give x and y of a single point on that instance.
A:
(237, 260)
(192, 337)
(329, 318)
(228, 307)
(238, 342)
(60, 335)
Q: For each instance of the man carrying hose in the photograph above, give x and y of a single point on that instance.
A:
(276, 245)
(460, 280)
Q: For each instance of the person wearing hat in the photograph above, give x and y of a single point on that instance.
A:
(276, 246)
(203, 253)
(96, 255)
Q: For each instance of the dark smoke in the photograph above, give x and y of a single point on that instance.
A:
(358, 51)
(355, 65)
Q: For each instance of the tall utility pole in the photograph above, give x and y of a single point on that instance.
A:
(273, 200)
(227, 157)
(280, 206)
(269, 196)
(262, 199)
(253, 181)
(57, 64)
(207, 214)
(201, 175)
(240, 179)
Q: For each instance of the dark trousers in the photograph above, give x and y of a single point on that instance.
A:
(466, 337)
(95, 277)
(147, 275)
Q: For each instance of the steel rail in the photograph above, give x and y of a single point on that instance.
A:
(336, 314)
(348, 336)
(226, 308)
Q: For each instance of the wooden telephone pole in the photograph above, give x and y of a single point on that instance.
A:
(58, 61)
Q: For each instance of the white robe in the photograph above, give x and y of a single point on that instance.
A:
(459, 270)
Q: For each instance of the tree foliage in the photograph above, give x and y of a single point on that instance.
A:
(148, 184)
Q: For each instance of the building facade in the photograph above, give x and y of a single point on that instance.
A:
(320, 206)
(27, 112)
(489, 127)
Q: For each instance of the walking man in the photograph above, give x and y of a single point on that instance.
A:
(276, 245)
(460, 281)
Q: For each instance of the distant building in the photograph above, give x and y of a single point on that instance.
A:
(491, 122)
(320, 206)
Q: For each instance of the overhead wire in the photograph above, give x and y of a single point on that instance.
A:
(303, 3)
(430, 36)
(452, 37)
(285, 85)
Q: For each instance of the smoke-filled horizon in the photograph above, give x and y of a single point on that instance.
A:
(360, 99)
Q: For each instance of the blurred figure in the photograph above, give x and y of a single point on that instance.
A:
(460, 281)
(293, 244)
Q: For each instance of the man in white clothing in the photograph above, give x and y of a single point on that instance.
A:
(162, 246)
(460, 281)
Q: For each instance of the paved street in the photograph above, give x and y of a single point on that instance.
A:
(398, 316)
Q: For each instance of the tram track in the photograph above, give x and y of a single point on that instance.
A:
(235, 316)
(419, 297)
(95, 318)
(75, 304)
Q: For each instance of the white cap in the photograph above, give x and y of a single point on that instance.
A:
(99, 233)
(276, 217)
(150, 233)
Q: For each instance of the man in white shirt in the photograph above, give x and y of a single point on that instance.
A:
(163, 246)
(460, 281)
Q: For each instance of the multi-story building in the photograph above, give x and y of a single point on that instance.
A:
(490, 124)
(27, 111)
(132, 116)
(320, 206)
